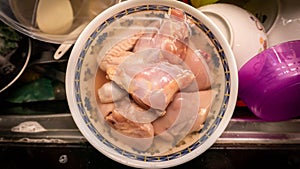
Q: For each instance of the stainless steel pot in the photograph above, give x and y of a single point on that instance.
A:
(13, 62)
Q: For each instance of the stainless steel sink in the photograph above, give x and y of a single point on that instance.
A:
(60, 128)
(54, 141)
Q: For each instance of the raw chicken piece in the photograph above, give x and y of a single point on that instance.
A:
(186, 113)
(200, 70)
(133, 112)
(171, 35)
(179, 119)
(110, 92)
(206, 98)
(118, 53)
(106, 108)
(129, 128)
(113, 61)
(150, 79)
(139, 136)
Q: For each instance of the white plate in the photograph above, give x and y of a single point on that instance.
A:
(118, 22)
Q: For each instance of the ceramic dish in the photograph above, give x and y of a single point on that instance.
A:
(287, 21)
(265, 11)
(123, 21)
(243, 30)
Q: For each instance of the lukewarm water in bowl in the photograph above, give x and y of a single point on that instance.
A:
(153, 91)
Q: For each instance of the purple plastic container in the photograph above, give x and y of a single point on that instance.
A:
(269, 83)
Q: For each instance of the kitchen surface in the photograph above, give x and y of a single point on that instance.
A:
(37, 129)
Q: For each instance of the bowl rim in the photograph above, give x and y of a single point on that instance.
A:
(231, 74)
(223, 20)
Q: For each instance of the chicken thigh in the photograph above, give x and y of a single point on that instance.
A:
(150, 79)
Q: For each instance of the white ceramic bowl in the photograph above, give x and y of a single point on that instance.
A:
(124, 20)
(287, 24)
(266, 11)
(242, 29)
